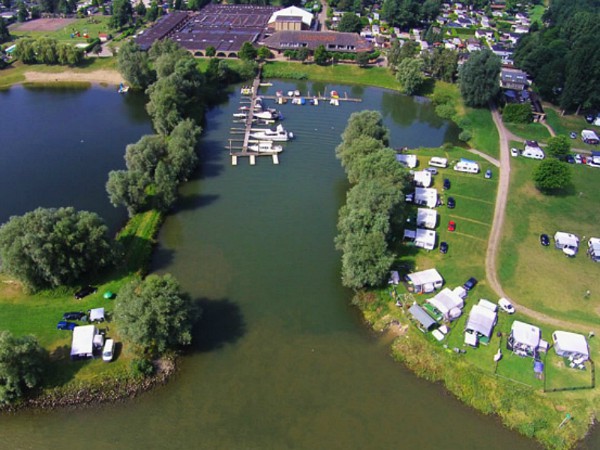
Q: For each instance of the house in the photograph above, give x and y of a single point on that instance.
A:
(502, 52)
(524, 339)
(425, 281)
(82, 345)
(427, 218)
(426, 196)
(513, 79)
(409, 161)
(473, 45)
(589, 137)
(481, 320)
(571, 345)
(485, 33)
(532, 150)
(448, 303)
(331, 40)
(564, 241)
(594, 249)
(103, 37)
(422, 178)
(422, 237)
(521, 29)
(424, 321)
(292, 18)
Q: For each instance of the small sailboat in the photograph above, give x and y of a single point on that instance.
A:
(123, 88)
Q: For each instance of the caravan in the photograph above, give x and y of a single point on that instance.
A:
(438, 162)
(466, 165)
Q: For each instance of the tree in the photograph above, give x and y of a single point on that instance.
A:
(366, 123)
(302, 54)
(211, 51)
(21, 365)
(264, 53)
(479, 78)
(362, 59)
(321, 56)
(410, 75)
(152, 12)
(140, 9)
(122, 14)
(181, 148)
(552, 175)
(559, 147)
(54, 247)
(22, 13)
(400, 52)
(134, 65)
(442, 64)
(4, 33)
(128, 189)
(154, 314)
(349, 23)
(247, 52)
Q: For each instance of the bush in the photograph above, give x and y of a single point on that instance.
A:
(517, 113)
(142, 367)
(465, 136)
(445, 111)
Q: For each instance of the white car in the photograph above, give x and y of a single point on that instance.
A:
(514, 152)
(108, 351)
(506, 306)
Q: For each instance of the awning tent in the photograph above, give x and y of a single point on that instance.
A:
(82, 345)
(394, 277)
(422, 237)
(526, 334)
(445, 301)
(425, 281)
(409, 161)
(422, 178)
(570, 344)
(426, 196)
(481, 320)
(426, 322)
(426, 218)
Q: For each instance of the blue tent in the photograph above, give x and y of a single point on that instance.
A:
(538, 367)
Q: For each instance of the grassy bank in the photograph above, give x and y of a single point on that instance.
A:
(37, 314)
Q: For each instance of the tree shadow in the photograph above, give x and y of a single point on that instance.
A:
(61, 369)
(568, 191)
(193, 201)
(161, 258)
(221, 323)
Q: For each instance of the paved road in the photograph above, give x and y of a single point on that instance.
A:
(491, 256)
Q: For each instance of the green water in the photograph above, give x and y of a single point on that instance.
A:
(281, 360)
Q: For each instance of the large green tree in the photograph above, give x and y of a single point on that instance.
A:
(4, 33)
(21, 365)
(248, 52)
(321, 55)
(410, 75)
(479, 82)
(134, 65)
(349, 23)
(53, 247)
(551, 176)
(122, 14)
(154, 314)
(559, 147)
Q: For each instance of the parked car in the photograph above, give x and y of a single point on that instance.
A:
(63, 325)
(589, 118)
(578, 159)
(514, 152)
(73, 315)
(544, 240)
(573, 135)
(488, 173)
(570, 159)
(446, 184)
(452, 225)
(451, 202)
(84, 292)
(431, 170)
(470, 284)
(444, 247)
(108, 351)
(506, 306)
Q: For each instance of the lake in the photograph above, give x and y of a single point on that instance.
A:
(281, 360)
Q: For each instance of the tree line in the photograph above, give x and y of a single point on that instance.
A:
(45, 50)
(375, 207)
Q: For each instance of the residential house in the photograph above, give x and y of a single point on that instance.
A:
(485, 33)
(513, 79)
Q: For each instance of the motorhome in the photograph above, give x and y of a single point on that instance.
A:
(436, 161)
(465, 165)
(589, 137)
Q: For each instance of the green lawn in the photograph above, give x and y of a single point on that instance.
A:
(531, 131)
(485, 135)
(91, 25)
(542, 277)
(566, 124)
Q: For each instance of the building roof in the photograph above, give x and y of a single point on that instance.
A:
(161, 29)
(422, 317)
(481, 320)
(293, 11)
(571, 342)
(525, 333)
(283, 40)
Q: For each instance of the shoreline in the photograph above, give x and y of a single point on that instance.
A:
(102, 77)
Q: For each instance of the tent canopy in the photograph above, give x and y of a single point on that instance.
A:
(481, 320)
(424, 277)
(421, 316)
(570, 343)
(83, 340)
(445, 300)
(527, 334)
(96, 314)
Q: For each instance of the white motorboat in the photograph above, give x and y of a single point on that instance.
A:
(268, 115)
(279, 134)
(240, 115)
(265, 147)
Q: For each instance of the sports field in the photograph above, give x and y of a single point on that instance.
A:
(68, 30)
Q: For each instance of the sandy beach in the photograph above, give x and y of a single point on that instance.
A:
(95, 77)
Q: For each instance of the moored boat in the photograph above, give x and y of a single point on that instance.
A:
(279, 134)
(265, 147)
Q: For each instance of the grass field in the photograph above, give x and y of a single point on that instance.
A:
(530, 131)
(542, 277)
(92, 26)
(565, 124)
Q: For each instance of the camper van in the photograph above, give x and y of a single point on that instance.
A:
(589, 137)
(438, 162)
(465, 165)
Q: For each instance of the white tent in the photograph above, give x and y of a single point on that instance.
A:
(426, 196)
(422, 178)
(446, 301)
(97, 314)
(524, 338)
(481, 320)
(487, 304)
(409, 161)
(82, 345)
(427, 218)
(293, 11)
(594, 249)
(570, 344)
(566, 240)
(425, 281)
(422, 237)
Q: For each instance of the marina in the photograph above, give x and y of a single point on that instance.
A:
(259, 141)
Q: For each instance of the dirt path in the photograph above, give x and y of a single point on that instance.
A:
(111, 77)
(491, 256)
(485, 156)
